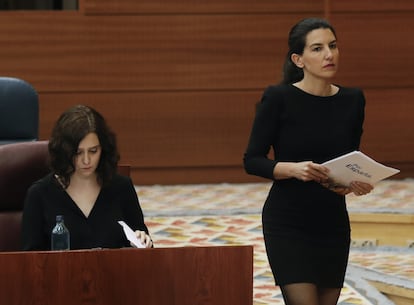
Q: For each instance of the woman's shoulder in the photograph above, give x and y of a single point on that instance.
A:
(119, 185)
(43, 182)
(352, 94)
(350, 90)
(43, 185)
(276, 89)
(274, 96)
(121, 178)
(119, 181)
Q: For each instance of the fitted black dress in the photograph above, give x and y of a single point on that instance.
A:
(306, 226)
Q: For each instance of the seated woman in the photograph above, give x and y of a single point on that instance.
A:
(84, 187)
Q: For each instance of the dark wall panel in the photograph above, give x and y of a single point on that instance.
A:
(66, 51)
(376, 49)
(178, 79)
(372, 6)
(172, 129)
(200, 7)
(389, 125)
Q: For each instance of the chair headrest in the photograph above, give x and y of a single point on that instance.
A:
(21, 164)
(19, 110)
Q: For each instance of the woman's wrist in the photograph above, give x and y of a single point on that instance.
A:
(282, 170)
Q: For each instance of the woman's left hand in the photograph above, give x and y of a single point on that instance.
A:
(356, 187)
(340, 190)
(144, 238)
(360, 188)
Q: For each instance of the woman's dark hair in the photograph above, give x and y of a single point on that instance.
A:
(70, 129)
(296, 44)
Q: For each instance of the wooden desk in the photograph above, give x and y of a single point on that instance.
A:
(164, 276)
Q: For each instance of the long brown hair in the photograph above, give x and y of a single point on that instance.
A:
(71, 127)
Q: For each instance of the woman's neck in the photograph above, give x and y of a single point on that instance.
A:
(84, 191)
(317, 87)
(80, 182)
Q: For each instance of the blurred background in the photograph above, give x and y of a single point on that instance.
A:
(178, 80)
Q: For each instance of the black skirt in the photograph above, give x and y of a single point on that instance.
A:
(295, 260)
(307, 234)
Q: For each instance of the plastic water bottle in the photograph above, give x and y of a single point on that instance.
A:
(60, 235)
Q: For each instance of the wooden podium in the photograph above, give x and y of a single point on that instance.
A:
(159, 276)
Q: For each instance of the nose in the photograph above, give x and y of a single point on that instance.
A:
(85, 158)
(328, 53)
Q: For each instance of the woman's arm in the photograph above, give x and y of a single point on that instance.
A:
(262, 135)
(33, 237)
(134, 216)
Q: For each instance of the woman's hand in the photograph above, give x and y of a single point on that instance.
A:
(356, 187)
(339, 189)
(144, 238)
(360, 188)
(304, 171)
(310, 171)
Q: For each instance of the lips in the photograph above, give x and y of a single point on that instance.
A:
(329, 66)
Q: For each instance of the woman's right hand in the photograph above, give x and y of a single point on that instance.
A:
(304, 171)
(144, 238)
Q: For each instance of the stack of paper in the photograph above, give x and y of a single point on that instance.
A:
(356, 166)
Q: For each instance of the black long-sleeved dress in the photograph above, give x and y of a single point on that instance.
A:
(306, 226)
(46, 198)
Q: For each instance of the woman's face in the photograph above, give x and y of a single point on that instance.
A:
(87, 156)
(320, 56)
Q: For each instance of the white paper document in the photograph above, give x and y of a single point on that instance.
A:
(356, 166)
(130, 235)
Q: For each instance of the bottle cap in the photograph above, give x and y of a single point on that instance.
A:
(59, 217)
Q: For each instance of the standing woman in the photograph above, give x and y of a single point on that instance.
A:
(307, 120)
(83, 187)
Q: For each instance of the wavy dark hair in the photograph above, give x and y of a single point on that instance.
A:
(70, 129)
(297, 43)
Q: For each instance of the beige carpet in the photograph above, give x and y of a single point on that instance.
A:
(229, 214)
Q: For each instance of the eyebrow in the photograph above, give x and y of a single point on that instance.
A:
(92, 147)
(319, 43)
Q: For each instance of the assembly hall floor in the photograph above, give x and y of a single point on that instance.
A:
(380, 272)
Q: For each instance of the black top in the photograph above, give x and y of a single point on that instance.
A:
(299, 126)
(46, 198)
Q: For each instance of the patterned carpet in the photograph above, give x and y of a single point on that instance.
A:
(229, 214)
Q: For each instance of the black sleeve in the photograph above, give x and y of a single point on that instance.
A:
(132, 209)
(33, 237)
(361, 117)
(263, 134)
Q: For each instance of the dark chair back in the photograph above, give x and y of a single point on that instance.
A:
(21, 164)
(19, 111)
